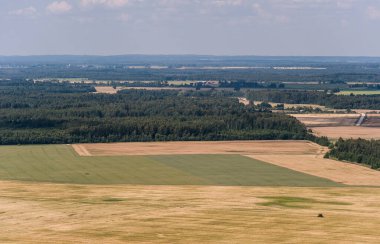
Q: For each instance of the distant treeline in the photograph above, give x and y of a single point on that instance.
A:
(36, 115)
(268, 71)
(316, 97)
(358, 151)
(18, 86)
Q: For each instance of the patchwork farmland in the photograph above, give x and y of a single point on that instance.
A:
(197, 192)
(96, 160)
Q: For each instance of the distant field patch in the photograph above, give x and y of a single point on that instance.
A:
(106, 89)
(347, 132)
(293, 105)
(361, 92)
(60, 164)
(323, 120)
(335, 126)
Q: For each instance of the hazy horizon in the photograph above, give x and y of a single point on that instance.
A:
(320, 28)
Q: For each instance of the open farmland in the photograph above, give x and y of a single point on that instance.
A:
(347, 132)
(197, 147)
(185, 192)
(301, 156)
(106, 89)
(323, 120)
(58, 213)
(335, 126)
(59, 163)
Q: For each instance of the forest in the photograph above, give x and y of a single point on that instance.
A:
(316, 97)
(50, 113)
(358, 151)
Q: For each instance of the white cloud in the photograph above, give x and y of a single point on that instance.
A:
(228, 2)
(264, 14)
(59, 7)
(124, 17)
(295, 4)
(108, 3)
(373, 13)
(345, 4)
(258, 9)
(29, 11)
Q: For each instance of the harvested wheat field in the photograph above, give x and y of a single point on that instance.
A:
(215, 192)
(348, 132)
(106, 89)
(345, 173)
(55, 213)
(322, 120)
(200, 147)
(335, 126)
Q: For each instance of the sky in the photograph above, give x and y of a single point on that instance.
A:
(214, 27)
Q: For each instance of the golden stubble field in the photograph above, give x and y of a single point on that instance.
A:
(197, 147)
(53, 213)
(33, 212)
(335, 126)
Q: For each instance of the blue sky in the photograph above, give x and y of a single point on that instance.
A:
(219, 27)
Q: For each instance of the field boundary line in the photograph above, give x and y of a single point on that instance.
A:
(81, 150)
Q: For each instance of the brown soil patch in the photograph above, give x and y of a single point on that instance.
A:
(216, 147)
(50, 213)
(347, 132)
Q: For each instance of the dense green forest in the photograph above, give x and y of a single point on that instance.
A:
(358, 151)
(316, 97)
(17, 86)
(38, 115)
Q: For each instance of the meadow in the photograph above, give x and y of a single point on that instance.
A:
(61, 164)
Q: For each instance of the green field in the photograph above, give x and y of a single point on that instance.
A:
(360, 92)
(60, 164)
